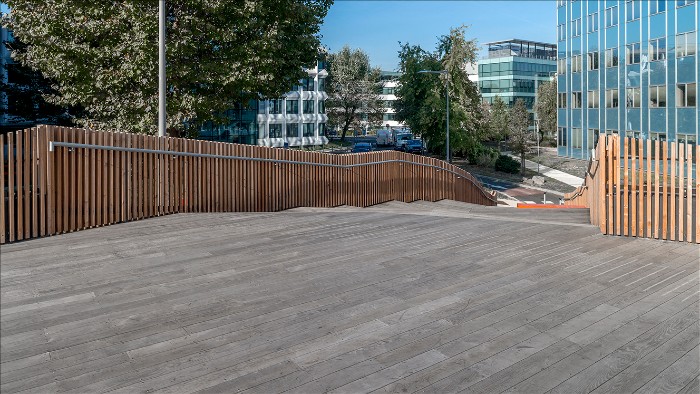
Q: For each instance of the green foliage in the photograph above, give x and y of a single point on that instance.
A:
(546, 107)
(353, 91)
(103, 54)
(507, 164)
(500, 120)
(519, 139)
(421, 97)
(482, 155)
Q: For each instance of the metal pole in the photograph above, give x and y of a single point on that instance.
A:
(537, 130)
(161, 68)
(447, 122)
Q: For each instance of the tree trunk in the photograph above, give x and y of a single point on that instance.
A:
(522, 163)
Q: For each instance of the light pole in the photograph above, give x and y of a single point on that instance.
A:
(447, 100)
(161, 68)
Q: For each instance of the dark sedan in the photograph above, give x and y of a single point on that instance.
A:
(414, 146)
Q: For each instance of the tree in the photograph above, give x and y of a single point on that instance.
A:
(518, 130)
(25, 90)
(103, 54)
(421, 98)
(353, 90)
(500, 119)
(546, 108)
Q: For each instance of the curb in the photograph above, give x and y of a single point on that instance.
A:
(525, 185)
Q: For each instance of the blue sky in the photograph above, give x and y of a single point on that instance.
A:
(377, 26)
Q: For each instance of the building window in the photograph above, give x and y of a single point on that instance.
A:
(686, 95)
(561, 3)
(686, 138)
(321, 107)
(611, 98)
(633, 98)
(275, 131)
(657, 135)
(657, 49)
(292, 107)
(576, 64)
(634, 9)
(388, 117)
(561, 100)
(593, 135)
(321, 129)
(561, 136)
(611, 16)
(592, 60)
(309, 129)
(686, 44)
(592, 99)
(683, 3)
(308, 106)
(561, 66)
(292, 130)
(322, 84)
(657, 96)
(593, 22)
(611, 59)
(307, 84)
(561, 32)
(576, 27)
(275, 106)
(576, 137)
(632, 52)
(575, 99)
(657, 6)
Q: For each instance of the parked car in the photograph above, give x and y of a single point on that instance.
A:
(414, 146)
(362, 147)
(401, 140)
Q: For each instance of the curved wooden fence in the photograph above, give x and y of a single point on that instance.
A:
(57, 180)
(643, 188)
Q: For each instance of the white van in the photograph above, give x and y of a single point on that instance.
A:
(384, 137)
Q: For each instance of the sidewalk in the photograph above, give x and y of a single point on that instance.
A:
(561, 176)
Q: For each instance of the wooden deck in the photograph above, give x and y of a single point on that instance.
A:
(422, 297)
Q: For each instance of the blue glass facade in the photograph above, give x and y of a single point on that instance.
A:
(626, 67)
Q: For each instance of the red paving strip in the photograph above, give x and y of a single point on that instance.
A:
(550, 206)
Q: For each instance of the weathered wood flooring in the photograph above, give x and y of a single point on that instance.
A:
(422, 297)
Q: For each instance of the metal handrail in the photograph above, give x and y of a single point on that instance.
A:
(53, 144)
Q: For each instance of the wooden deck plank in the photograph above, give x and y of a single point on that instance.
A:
(271, 302)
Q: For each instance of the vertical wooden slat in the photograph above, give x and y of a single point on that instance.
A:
(12, 213)
(34, 182)
(625, 185)
(610, 154)
(634, 187)
(71, 182)
(681, 184)
(80, 180)
(601, 174)
(3, 198)
(19, 189)
(665, 199)
(697, 194)
(689, 194)
(65, 167)
(672, 209)
(617, 179)
(111, 187)
(657, 188)
(28, 167)
(43, 185)
(648, 200)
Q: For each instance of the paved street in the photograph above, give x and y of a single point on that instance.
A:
(421, 297)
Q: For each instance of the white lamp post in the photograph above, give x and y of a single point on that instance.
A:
(447, 100)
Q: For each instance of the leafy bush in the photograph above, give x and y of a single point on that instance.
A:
(482, 155)
(507, 164)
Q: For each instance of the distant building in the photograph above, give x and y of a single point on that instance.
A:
(513, 70)
(295, 119)
(390, 83)
(628, 68)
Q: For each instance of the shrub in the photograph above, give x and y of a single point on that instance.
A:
(507, 164)
(482, 155)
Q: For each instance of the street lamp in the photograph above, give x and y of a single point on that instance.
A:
(447, 100)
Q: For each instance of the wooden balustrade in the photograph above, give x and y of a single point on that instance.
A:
(643, 188)
(75, 187)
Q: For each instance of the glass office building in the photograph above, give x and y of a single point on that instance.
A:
(626, 67)
(514, 68)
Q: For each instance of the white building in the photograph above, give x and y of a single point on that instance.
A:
(390, 82)
(299, 117)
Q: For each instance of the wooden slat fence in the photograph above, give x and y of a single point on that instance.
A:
(70, 188)
(643, 188)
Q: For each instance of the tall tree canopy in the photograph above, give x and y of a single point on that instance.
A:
(103, 54)
(421, 97)
(519, 134)
(546, 108)
(500, 120)
(353, 90)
